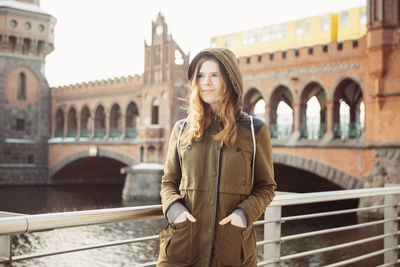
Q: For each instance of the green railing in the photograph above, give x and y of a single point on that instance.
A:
(347, 131)
(131, 132)
(316, 131)
(115, 132)
(72, 133)
(281, 132)
(99, 132)
(59, 133)
(85, 133)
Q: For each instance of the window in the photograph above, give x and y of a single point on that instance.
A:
(31, 159)
(299, 28)
(20, 124)
(308, 27)
(344, 19)
(41, 28)
(27, 25)
(13, 23)
(363, 18)
(157, 55)
(264, 35)
(249, 38)
(21, 86)
(325, 23)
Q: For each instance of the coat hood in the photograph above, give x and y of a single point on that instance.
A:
(228, 60)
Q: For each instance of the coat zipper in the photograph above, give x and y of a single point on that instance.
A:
(215, 205)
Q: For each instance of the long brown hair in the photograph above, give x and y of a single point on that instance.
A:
(230, 101)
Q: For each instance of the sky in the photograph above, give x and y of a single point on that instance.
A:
(104, 39)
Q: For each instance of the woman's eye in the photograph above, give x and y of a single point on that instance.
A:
(200, 76)
(215, 75)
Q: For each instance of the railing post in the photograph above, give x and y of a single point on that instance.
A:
(391, 228)
(272, 231)
(5, 244)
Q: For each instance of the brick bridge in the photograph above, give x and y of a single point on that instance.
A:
(348, 136)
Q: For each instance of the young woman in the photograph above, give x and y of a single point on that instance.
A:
(210, 195)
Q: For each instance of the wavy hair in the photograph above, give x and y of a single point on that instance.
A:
(230, 101)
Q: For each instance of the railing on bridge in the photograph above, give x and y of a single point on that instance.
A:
(272, 222)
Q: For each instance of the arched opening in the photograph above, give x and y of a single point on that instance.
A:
(99, 122)
(348, 110)
(254, 104)
(59, 131)
(115, 121)
(22, 86)
(72, 123)
(86, 123)
(92, 170)
(154, 111)
(132, 115)
(281, 114)
(141, 154)
(313, 112)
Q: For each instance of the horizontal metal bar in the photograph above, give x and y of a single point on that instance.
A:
(333, 230)
(321, 214)
(52, 253)
(296, 199)
(363, 257)
(50, 221)
(330, 213)
(260, 243)
(154, 263)
(43, 222)
(326, 249)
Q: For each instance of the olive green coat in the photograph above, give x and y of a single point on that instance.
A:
(212, 183)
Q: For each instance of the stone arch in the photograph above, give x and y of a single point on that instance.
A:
(353, 76)
(59, 122)
(115, 120)
(310, 90)
(131, 116)
(251, 98)
(277, 84)
(337, 176)
(100, 121)
(72, 121)
(102, 152)
(281, 127)
(85, 121)
(348, 92)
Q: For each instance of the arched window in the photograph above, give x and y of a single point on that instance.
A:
(154, 111)
(21, 86)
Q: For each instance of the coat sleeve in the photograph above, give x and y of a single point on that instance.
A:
(172, 173)
(264, 184)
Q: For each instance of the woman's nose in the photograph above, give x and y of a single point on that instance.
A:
(207, 79)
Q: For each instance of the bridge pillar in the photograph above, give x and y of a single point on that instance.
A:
(142, 182)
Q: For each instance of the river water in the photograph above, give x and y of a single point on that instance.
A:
(47, 199)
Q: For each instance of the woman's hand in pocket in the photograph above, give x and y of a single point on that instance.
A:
(235, 220)
(184, 216)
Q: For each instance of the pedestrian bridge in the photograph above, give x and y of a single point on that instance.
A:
(270, 235)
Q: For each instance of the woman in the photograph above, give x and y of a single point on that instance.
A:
(208, 192)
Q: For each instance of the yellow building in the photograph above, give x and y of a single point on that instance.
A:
(348, 24)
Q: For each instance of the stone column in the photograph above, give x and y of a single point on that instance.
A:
(267, 116)
(78, 127)
(107, 122)
(296, 115)
(329, 117)
(123, 124)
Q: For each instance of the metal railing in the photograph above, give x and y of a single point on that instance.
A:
(272, 241)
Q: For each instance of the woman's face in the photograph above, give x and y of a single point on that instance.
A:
(210, 82)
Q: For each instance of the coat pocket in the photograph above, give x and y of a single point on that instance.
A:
(231, 249)
(176, 242)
